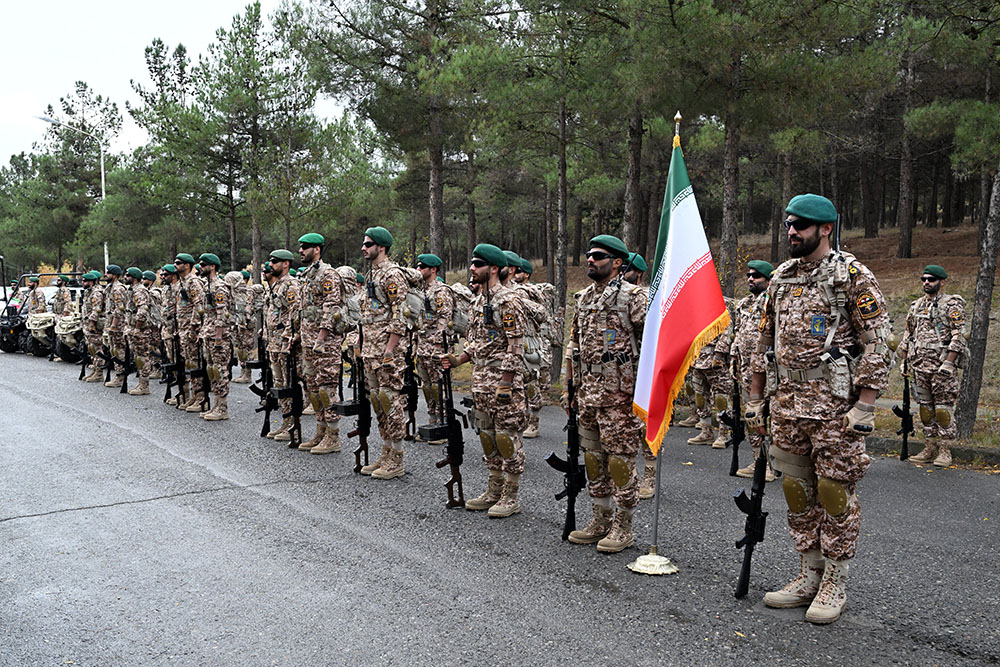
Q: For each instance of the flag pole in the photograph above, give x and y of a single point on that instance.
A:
(653, 562)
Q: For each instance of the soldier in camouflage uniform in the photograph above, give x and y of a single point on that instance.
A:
(62, 302)
(216, 335)
(934, 347)
(93, 323)
(827, 323)
(713, 385)
(538, 303)
(244, 323)
(137, 329)
(115, 304)
(384, 323)
(168, 330)
(322, 341)
(495, 347)
(189, 307)
(602, 354)
(155, 321)
(278, 322)
(35, 299)
(439, 302)
(746, 326)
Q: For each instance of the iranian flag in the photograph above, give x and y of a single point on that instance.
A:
(686, 309)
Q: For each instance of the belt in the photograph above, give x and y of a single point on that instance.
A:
(797, 375)
(607, 358)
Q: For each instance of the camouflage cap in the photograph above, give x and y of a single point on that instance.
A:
(311, 239)
(134, 272)
(612, 244)
(812, 207)
(380, 235)
(760, 266)
(936, 271)
(148, 275)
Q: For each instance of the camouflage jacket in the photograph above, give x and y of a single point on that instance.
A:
(189, 302)
(281, 307)
(604, 338)
(93, 309)
(496, 346)
(934, 326)
(115, 306)
(746, 333)
(62, 302)
(218, 310)
(321, 307)
(382, 313)
(35, 301)
(138, 308)
(438, 308)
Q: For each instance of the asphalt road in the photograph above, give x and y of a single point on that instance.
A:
(135, 534)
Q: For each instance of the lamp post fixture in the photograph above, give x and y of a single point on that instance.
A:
(100, 147)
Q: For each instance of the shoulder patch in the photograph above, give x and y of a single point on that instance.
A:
(327, 286)
(220, 298)
(956, 315)
(392, 289)
(852, 269)
(508, 321)
(868, 306)
(290, 296)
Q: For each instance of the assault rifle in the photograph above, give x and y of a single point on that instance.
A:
(574, 475)
(737, 433)
(261, 362)
(84, 361)
(292, 391)
(456, 445)
(360, 406)
(268, 401)
(201, 373)
(410, 383)
(128, 367)
(756, 519)
(175, 374)
(906, 419)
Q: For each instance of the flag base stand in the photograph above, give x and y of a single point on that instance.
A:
(652, 563)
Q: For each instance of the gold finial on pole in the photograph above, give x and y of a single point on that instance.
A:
(677, 122)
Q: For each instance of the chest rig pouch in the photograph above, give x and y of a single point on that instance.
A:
(611, 365)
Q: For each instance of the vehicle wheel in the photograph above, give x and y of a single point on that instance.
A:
(38, 348)
(9, 344)
(69, 354)
(24, 340)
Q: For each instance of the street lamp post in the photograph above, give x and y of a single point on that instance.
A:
(100, 147)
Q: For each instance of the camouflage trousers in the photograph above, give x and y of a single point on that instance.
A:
(244, 344)
(708, 384)
(510, 418)
(934, 391)
(321, 370)
(219, 353)
(189, 348)
(94, 344)
(279, 371)
(429, 371)
(611, 466)
(141, 349)
(836, 455)
(117, 346)
(385, 382)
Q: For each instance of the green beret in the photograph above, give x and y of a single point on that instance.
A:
(148, 275)
(760, 266)
(637, 262)
(312, 239)
(526, 266)
(245, 274)
(114, 269)
(360, 278)
(491, 254)
(812, 207)
(610, 243)
(169, 268)
(87, 276)
(513, 259)
(134, 272)
(63, 277)
(429, 259)
(936, 271)
(293, 272)
(380, 235)
(210, 258)
(281, 255)
(266, 268)
(33, 279)
(185, 257)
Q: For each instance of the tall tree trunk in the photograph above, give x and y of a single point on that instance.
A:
(470, 205)
(233, 248)
(949, 191)
(730, 206)
(931, 215)
(562, 237)
(904, 211)
(633, 173)
(577, 233)
(435, 151)
(776, 244)
(968, 397)
(867, 187)
(550, 236)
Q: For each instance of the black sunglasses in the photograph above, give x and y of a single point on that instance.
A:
(367, 244)
(421, 265)
(478, 263)
(754, 275)
(928, 279)
(598, 256)
(799, 224)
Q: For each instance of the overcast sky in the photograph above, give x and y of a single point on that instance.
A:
(46, 46)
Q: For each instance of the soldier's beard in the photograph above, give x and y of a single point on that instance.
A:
(756, 289)
(596, 274)
(806, 245)
(932, 288)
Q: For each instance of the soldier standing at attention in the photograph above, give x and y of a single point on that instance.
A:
(281, 307)
(747, 316)
(826, 320)
(321, 343)
(602, 357)
(62, 302)
(168, 330)
(35, 300)
(384, 326)
(190, 298)
(216, 330)
(934, 348)
(244, 323)
(93, 324)
(138, 330)
(438, 307)
(513, 278)
(496, 349)
(115, 304)
(712, 386)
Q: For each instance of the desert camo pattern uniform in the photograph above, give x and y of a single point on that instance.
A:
(189, 307)
(438, 309)
(747, 316)
(116, 300)
(138, 326)
(321, 309)
(281, 307)
(713, 385)
(217, 346)
(93, 327)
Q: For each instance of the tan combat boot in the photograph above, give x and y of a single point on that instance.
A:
(507, 504)
(928, 453)
(596, 529)
(330, 444)
(197, 400)
(690, 422)
(308, 409)
(943, 459)
(244, 377)
(802, 589)
(156, 374)
(116, 381)
(307, 445)
(720, 440)
(141, 389)
(285, 425)
(831, 599)
(392, 466)
(706, 437)
(532, 430)
(220, 412)
(620, 536)
(647, 489)
(490, 496)
(377, 463)
(96, 375)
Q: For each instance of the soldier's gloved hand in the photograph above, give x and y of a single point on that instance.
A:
(861, 418)
(503, 392)
(904, 370)
(947, 368)
(387, 359)
(754, 414)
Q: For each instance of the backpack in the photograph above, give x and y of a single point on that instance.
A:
(156, 307)
(350, 308)
(460, 313)
(413, 307)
